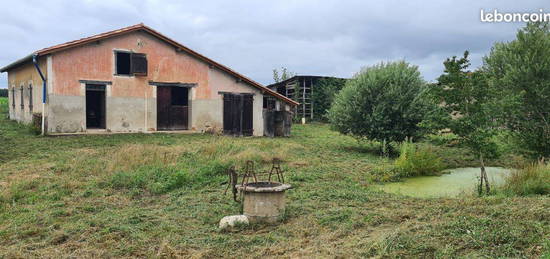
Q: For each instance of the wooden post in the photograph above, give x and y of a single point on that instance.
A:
(304, 98)
(311, 98)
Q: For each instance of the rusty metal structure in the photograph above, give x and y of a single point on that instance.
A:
(262, 201)
(300, 89)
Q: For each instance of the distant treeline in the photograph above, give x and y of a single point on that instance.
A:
(3, 92)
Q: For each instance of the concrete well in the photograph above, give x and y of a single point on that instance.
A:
(264, 201)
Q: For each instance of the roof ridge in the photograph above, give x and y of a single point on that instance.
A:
(100, 35)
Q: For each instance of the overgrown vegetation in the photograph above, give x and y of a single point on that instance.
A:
(323, 96)
(160, 195)
(416, 161)
(533, 179)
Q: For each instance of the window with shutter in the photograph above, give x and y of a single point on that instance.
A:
(139, 64)
(129, 63)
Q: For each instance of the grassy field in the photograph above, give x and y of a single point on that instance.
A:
(160, 195)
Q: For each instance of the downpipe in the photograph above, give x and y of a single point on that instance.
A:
(35, 62)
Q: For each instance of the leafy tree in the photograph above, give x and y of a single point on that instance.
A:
(283, 75)
(383, 102)
(520, 69)
(467, 108)
(323, 94)
(3, 92)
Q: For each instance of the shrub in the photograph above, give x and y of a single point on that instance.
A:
(382, 102)
(385, 172)
(532, 179)
(415, 161)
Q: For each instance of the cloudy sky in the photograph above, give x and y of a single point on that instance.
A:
(334, 38)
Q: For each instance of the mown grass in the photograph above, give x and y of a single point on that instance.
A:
(160, 195)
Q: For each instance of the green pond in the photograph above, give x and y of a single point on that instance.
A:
(453, 183)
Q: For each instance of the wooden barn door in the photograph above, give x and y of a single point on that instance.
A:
(237, 114)
(172, 108)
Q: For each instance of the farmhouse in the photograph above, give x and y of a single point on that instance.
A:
(137, 80)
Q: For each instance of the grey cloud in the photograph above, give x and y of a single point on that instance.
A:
(309, 37)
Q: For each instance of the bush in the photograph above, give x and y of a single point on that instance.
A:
(3, 92)
(415, 161)
(385, 172)
(382, 102)
(532, 179)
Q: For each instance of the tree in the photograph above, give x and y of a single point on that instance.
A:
(467, 108)
(520, 69)
(283, 75)
(383, 102)
(323, 94)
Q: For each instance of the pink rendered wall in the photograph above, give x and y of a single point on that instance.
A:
(95, 61)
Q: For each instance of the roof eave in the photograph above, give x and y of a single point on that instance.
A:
(17, 63)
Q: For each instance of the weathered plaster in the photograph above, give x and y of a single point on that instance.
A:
(131, 100)
(25, 75)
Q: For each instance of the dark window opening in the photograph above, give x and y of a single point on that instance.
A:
(13, 97)
(128, 63)
(180, 96)
(30, 98)
(269, 103)
(123, 63)
(22, 99)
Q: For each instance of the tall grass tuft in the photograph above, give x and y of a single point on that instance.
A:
(416, 161)
(531, 180)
